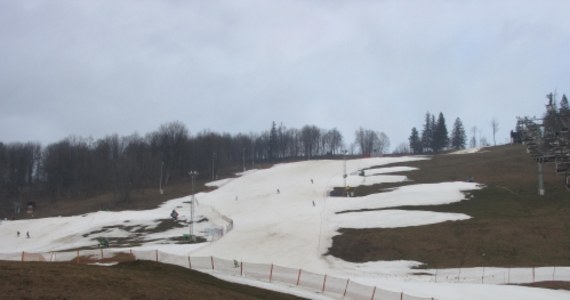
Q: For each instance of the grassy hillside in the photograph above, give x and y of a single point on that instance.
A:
(130, 280)
(511, 224)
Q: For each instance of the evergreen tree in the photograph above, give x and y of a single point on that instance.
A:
(427, 133)
(433, 125)
(458, 136)
(415, 142)
(440, 137)
(549, 119)
(564, 108)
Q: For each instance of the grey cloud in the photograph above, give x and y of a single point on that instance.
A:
(93, 68)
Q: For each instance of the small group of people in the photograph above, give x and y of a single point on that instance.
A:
(27, 234)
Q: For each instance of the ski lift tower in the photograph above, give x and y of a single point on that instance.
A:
(193, 199)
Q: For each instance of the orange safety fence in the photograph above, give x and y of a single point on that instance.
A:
(319, 283)
(257, 271)
(329, 285)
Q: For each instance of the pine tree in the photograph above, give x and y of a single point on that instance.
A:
(440, 138)
(427, 133)
(415, 142)
(564, 108)
(549, 119)
(458, 136)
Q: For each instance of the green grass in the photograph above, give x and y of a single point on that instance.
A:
(511, 225)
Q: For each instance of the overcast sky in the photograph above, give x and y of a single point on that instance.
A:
(95, 67)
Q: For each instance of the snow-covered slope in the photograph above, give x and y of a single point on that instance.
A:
(283, 215)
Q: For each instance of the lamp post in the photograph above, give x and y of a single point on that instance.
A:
(344, 171)
(193, 199)
(243, 157)
(160, 183)
(213, 166)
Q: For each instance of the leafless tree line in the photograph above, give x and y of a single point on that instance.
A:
(81, 167)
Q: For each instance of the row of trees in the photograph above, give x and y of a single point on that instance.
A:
(81, 167)
(434, 136)
(371, 142)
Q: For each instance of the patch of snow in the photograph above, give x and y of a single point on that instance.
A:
(109, 264)
(283, 215)
(380, 171)
(218, 183)
(392, 218)
(466, 151)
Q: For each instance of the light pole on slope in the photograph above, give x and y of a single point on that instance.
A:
(344, 172)
(243, 157)
(193, 199)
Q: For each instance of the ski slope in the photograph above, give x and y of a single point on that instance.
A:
(283, 215)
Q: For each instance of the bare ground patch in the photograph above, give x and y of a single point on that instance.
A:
(511, 224)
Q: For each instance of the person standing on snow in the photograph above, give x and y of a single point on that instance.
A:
(174, 214)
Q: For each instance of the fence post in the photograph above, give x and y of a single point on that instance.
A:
(22, 256)
(553, 273)
(509, 276)
(102, 254)
(533, 277)
(324, 283)
(483, 277)
(156, 251)
(189, 263)
(271, 273)
(402, 295)
(212, 260)
(241, 269)
(373, 293)
(346, 288)
(436, 275)
(299, 277)
(77, 258)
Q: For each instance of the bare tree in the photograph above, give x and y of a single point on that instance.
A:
(382, 144)
(495, 126)
(403, 148)
(365, 139)
(332, 141)
(310, 137)
(170, 141)
(473, 137)
(371, 142)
